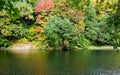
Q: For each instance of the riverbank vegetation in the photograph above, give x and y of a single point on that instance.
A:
(60, 24)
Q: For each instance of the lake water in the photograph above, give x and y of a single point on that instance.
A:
(83, 62)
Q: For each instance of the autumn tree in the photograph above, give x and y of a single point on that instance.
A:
(44, 5)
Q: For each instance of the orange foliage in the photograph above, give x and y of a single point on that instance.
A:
(44, 5)
(38, 19)
(38, 28)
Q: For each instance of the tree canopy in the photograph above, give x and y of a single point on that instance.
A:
(60, 23)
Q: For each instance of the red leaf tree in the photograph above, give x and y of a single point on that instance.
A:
(44, 5)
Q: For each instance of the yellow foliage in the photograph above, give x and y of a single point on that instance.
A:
(42, 31)
(41, 22)
(93, 2)
(32, 29)
(101, 14)
(23, 40)
(81, 25)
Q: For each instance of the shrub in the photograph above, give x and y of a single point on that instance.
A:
(34, 33)
(30, 33)
(13, 30)
(4, 42)
(82, 42)
(116, 40)
(23, 40)
(79, 41)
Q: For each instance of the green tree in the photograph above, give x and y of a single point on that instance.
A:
(79, 41)
(91, 23)
(3, 42)
(10, 25)
(25, 11)
(7, 5)
(114, 23)
(58, 30)
(104, 33)
(96, 28)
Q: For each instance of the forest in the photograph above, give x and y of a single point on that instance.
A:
(60, 24)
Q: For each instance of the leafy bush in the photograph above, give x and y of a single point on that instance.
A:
(13, 30)
(34, 33)
(4, 42)
(79, 41)
(116, 40)
(22, 40)
(82, 42)
(30, 33)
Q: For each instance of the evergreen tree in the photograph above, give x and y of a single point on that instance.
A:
(58, 30)
(91, 23)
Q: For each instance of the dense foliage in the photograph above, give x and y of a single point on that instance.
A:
(61, 24)
(58, 31)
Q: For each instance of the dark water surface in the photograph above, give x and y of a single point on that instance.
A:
(84, 62)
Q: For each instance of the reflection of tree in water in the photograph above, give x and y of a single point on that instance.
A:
(16, 64)
(58, 62)
(8, 63)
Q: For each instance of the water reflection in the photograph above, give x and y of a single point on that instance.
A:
(84, 62)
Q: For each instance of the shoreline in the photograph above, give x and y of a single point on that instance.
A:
(26, 47)
(103, 48)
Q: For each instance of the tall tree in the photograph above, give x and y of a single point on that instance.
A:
(91, 23)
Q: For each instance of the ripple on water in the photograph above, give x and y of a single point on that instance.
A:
(102, 71)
